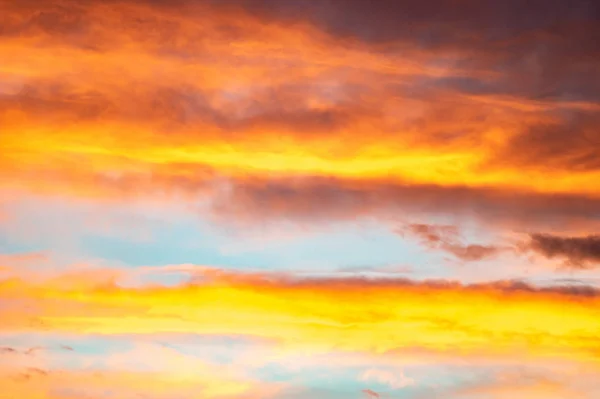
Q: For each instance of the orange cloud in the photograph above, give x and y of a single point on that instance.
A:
(20, 262)
(336, 314)
(147, 108)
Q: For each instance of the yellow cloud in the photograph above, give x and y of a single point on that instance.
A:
(325, 315)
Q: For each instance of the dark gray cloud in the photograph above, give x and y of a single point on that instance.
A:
(431, 23)
(578, 252)
(541, 49)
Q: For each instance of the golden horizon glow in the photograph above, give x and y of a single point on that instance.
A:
(328, 315)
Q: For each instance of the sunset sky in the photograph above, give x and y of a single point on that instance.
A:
(299, 199)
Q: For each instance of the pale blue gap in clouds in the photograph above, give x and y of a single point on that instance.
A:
(133, 236)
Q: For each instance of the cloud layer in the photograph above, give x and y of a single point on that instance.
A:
(377, 315)
(449, 107)
(298, 135)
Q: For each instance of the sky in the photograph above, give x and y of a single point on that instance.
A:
(297, 199)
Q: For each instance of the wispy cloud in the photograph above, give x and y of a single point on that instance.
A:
(371, 394)
(448, 239)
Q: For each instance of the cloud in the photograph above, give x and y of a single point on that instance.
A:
(505, 385)
(66, 384)
(394, 380)
(30, 350)
(442, 109)
(253, 111)
(567, 144)
(527, 47)
(448, 239)
(318, 199)
(371, 394)
(14, 262)
(145, 370)
(579, 252)
(378, 315)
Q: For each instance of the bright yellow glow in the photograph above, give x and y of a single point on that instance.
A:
(331, 315)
